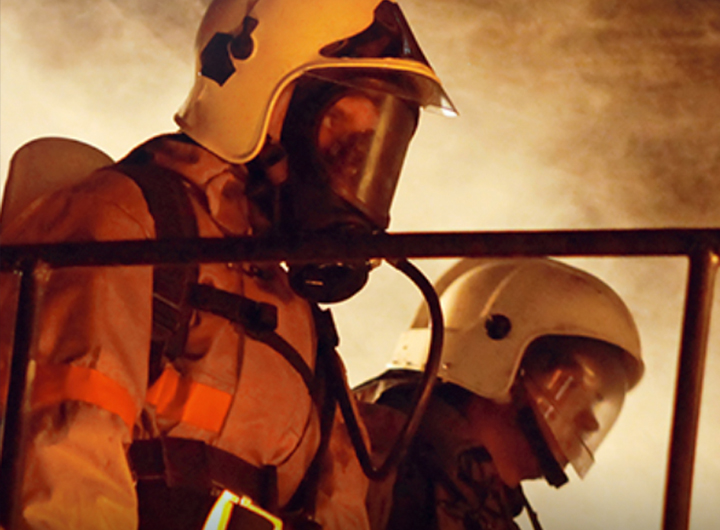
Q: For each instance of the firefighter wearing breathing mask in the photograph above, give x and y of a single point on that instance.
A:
(297, 123)
(537, 359)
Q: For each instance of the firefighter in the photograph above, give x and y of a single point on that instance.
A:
(298, 123)
(537, 359)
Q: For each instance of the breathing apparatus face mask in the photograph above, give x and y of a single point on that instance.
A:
(345, 145)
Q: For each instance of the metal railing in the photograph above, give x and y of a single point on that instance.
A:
(700, 246)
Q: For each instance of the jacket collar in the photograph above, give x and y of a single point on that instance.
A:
(218, 184)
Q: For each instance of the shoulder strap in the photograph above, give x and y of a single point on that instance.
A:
(176, 291)
(168, 202)
(301, 507)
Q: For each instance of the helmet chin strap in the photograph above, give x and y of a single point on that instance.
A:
(532, 514)
(549, 466)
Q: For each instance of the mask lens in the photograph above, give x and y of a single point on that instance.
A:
(578, 400)
(344, 137)
(361, 141)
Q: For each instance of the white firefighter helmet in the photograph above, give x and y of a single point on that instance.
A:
(249, 51)
(495, 311)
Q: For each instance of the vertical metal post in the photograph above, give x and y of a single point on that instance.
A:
(11, 462)
(691, 369)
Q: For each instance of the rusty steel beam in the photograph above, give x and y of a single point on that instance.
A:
(660, 242)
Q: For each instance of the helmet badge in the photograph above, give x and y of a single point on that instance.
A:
(215, 60)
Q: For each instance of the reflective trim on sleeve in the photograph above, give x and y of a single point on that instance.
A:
(180, 399)
(55, 384)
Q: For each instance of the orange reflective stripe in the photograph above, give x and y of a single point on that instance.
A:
(55, 384)
(181, 399)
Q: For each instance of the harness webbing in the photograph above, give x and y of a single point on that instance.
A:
(170, 208)
(259, 321)
(176, 293)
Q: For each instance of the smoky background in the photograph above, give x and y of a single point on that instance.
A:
(573, 115)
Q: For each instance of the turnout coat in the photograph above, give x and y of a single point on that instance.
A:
(93, 395)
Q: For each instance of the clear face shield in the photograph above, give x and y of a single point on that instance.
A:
(345, 145)
(576, 396)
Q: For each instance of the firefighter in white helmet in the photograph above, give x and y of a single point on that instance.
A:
(537, 359)
(298, 123)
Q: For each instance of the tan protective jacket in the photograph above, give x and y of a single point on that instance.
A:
(92, 359)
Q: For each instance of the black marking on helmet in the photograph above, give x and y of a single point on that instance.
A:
(215, 60)
(498, 326)
(243, 45)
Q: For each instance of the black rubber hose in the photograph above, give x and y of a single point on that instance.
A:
(422, 394)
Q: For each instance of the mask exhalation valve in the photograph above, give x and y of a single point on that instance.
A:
(328, 282)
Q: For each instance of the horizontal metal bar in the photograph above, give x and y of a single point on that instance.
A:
(647, 242)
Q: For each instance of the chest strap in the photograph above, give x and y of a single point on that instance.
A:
(192, 464)
(258, 320)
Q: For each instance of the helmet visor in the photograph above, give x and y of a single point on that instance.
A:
(390, 37)
(577, 398)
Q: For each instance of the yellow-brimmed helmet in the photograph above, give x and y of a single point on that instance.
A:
(493, 312)
(249, 51)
